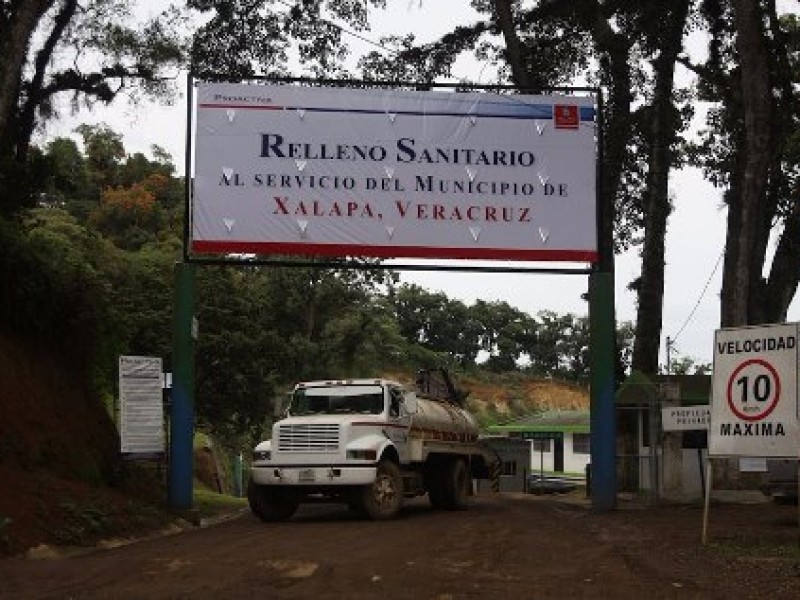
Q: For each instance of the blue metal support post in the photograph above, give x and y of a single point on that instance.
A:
(181, 422)
(603, 418)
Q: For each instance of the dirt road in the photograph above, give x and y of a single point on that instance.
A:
(502, 547)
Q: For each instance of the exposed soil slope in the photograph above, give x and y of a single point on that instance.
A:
(62, 482)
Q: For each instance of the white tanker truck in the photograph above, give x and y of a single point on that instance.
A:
(369, 443)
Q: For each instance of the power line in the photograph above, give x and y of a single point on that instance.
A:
(674, 338)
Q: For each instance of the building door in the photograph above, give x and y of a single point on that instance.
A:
(558, 454)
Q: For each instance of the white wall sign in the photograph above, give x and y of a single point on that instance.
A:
(685, 418)
(751, 464)
(289, 169)
(141, 404)
(754, 400)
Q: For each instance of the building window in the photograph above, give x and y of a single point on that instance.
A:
(541, 445)
(581, 443)
(509, 468)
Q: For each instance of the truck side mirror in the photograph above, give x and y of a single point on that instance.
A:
(280, 405)
(409, 405)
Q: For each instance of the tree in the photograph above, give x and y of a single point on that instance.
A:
(104, 150)
(67, 177)
(437, 323)
(663, 28)
(223, 46)
(750, 149)
(686, 365)
(505, 333)
(92, 51)
(546, 44)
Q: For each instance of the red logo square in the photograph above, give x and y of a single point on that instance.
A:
(566, 116)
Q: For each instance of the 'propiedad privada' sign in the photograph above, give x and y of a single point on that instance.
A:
(754, 401)
(289, 169)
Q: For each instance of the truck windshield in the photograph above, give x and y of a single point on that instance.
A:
(356, 399)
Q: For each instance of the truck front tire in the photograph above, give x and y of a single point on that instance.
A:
(271, 504)
(383, 498)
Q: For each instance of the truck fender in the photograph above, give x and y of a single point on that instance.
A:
(377, 442)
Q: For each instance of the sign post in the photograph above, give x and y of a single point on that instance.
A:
(316, 171)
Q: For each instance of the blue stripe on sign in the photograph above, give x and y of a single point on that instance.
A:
(530, 111)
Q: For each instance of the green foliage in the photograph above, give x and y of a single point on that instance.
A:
(224, 46)
(685, 365)
(83, 523)
(212, 504)
(59, 291)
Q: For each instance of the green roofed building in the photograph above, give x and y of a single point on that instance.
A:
(559, 440)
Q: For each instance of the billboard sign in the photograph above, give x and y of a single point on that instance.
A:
(754, 394)
(290, 169)
(141, 405)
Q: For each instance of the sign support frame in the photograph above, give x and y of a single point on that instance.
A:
(602, 319)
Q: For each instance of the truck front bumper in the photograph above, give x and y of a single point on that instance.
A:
(313, 475)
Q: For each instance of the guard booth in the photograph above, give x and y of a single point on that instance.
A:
(515, 459)
(662, 435)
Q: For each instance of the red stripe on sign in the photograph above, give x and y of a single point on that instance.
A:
(244, 247)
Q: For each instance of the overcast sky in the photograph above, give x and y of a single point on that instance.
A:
(694, 242)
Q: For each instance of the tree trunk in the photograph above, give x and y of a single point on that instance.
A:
(784, 277)
(650, 306)
(505, 20)
(746, 211)
(772, 297)
(15, 36)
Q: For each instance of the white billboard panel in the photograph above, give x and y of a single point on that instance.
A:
(141, 404)
(286, 169)
(754, 392)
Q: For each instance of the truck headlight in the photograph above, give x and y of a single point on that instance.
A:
(260, 455)
(362, 454)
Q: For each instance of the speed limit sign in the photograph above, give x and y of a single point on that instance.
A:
(754, 407)
(754, 389)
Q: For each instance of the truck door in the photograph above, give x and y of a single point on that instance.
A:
(400, 423)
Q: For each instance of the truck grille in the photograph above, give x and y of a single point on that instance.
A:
(308, 438)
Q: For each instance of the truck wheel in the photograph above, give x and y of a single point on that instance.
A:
(457, 485)
(382, 498)
(270, 504)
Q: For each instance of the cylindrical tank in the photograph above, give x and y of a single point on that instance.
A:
(441, 420)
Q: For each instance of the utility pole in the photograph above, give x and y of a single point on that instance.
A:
(669, 355)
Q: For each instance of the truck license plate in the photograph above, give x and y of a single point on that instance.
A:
(306, 475)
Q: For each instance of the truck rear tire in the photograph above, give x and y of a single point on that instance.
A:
(457, 485)
(270, 504)
(435, 483)
(383, 498)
